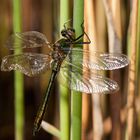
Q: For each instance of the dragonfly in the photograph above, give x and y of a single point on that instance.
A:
(60, 55)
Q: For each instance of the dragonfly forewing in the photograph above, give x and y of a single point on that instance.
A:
(30, 64)
(98, 61)
(30, 39)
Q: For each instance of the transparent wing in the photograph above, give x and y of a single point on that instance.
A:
(98, 61)
(30, 64)
(30, 39)
(88, 84)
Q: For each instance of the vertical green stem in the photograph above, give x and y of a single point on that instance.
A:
(64, 92)
(19, 107)
(76, 99)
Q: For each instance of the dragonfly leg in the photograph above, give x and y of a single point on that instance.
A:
(66, 23)
(76, 41)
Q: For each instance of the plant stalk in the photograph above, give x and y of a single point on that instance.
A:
(64, 92)
(18, 78)
(76, 98)
(131, 116)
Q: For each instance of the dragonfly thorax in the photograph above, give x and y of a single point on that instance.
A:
(60, 49)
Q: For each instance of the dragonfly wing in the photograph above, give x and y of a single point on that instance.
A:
(30, 64)
(88, 84)
(98, 61)
(30, 39)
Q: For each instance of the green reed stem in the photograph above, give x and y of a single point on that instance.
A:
(76, 99)
(64, 92)
(18, 77)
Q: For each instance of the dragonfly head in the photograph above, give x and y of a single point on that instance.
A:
(68, 33)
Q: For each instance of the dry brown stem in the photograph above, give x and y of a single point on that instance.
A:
(132, 74)
(114, 32)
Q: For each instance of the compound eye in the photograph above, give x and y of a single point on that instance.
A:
(63, 32)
